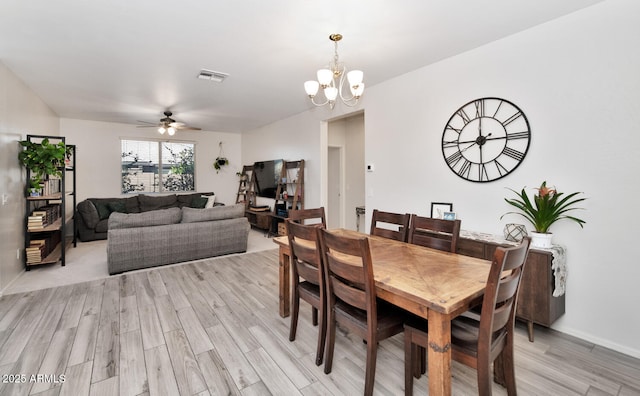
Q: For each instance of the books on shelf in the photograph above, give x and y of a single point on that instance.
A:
(41, 246)
(43, 216)
(51, 186)
(36, 251)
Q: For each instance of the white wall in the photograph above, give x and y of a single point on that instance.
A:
(98, 157)
(21, 113)
(576, 79)
(295, 138)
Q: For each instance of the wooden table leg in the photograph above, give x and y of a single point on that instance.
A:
(439, 354)
(285, 285)
(530, 330)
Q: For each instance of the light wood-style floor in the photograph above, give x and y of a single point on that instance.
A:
(212, 327)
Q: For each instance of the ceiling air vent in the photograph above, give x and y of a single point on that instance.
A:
(212, 75)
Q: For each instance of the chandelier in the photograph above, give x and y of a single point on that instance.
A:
(332, 81)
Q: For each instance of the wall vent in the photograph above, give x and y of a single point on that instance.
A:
(212, 75)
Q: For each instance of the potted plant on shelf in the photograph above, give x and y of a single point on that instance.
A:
(546, 207)
(43, 159)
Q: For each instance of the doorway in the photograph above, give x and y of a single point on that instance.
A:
(345, 171)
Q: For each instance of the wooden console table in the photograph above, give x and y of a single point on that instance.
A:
(260, 219)
(536, 301)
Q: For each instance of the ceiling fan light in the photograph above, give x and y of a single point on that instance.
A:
(355, 77)
(171, 131)
(162, 130)
(325, 77)
(311, 87)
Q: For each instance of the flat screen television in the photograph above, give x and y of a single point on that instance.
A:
(267, 175)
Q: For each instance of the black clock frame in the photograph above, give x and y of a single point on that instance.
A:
(511, 157)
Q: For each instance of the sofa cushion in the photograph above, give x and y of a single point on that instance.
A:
(148, 202)
(131, 204)
(117, 206)
(187, 199)
(103, 210)
(191, 215)
(145, 219)
(89, 213)
(103, 225)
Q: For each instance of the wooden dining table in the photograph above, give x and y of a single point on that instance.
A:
(430, 283)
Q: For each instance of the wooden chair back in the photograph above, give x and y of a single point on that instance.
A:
(498, 314)
(349, 271)
(304, 242)
(308, 216)
(434, 233)
(399, 229)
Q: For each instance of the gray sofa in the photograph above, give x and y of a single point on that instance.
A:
(92, 215)
(166, 236)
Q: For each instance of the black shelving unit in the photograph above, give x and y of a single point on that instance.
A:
(52, 233)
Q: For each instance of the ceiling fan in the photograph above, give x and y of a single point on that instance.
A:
(168, 125)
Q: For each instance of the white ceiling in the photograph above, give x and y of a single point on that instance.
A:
(129, 60)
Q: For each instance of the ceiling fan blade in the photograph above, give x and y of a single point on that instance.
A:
(147, 126)
(188, 128)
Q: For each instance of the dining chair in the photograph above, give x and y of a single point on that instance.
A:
(308, 280)
(308, 216)
(352, 302)
(390, 225)
(434, 233)
(479, 341)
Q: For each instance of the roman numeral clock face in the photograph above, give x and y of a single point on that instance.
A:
(486, 139)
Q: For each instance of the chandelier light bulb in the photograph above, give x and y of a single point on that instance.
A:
(355, 77)
(325, 77)
(311, 87)
(162, 130)
(331, 93)
(357, 90)
(171, 131)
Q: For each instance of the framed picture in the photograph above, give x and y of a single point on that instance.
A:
(438, 209)
(449, 215)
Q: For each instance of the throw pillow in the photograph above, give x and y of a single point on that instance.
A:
(198, 202)
(211, 199)
(103, 210)
(117, 206)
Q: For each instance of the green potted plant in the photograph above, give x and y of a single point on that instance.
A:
(546, 207)
(43, 159)
(219, 163)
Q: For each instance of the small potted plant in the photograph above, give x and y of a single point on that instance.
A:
(34, 186)
(546, 207)
(219, 163)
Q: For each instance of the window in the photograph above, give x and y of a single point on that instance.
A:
(154, 166)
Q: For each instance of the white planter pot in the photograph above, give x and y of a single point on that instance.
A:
(541, 240)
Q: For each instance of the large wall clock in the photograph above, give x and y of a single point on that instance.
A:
(486, 139)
